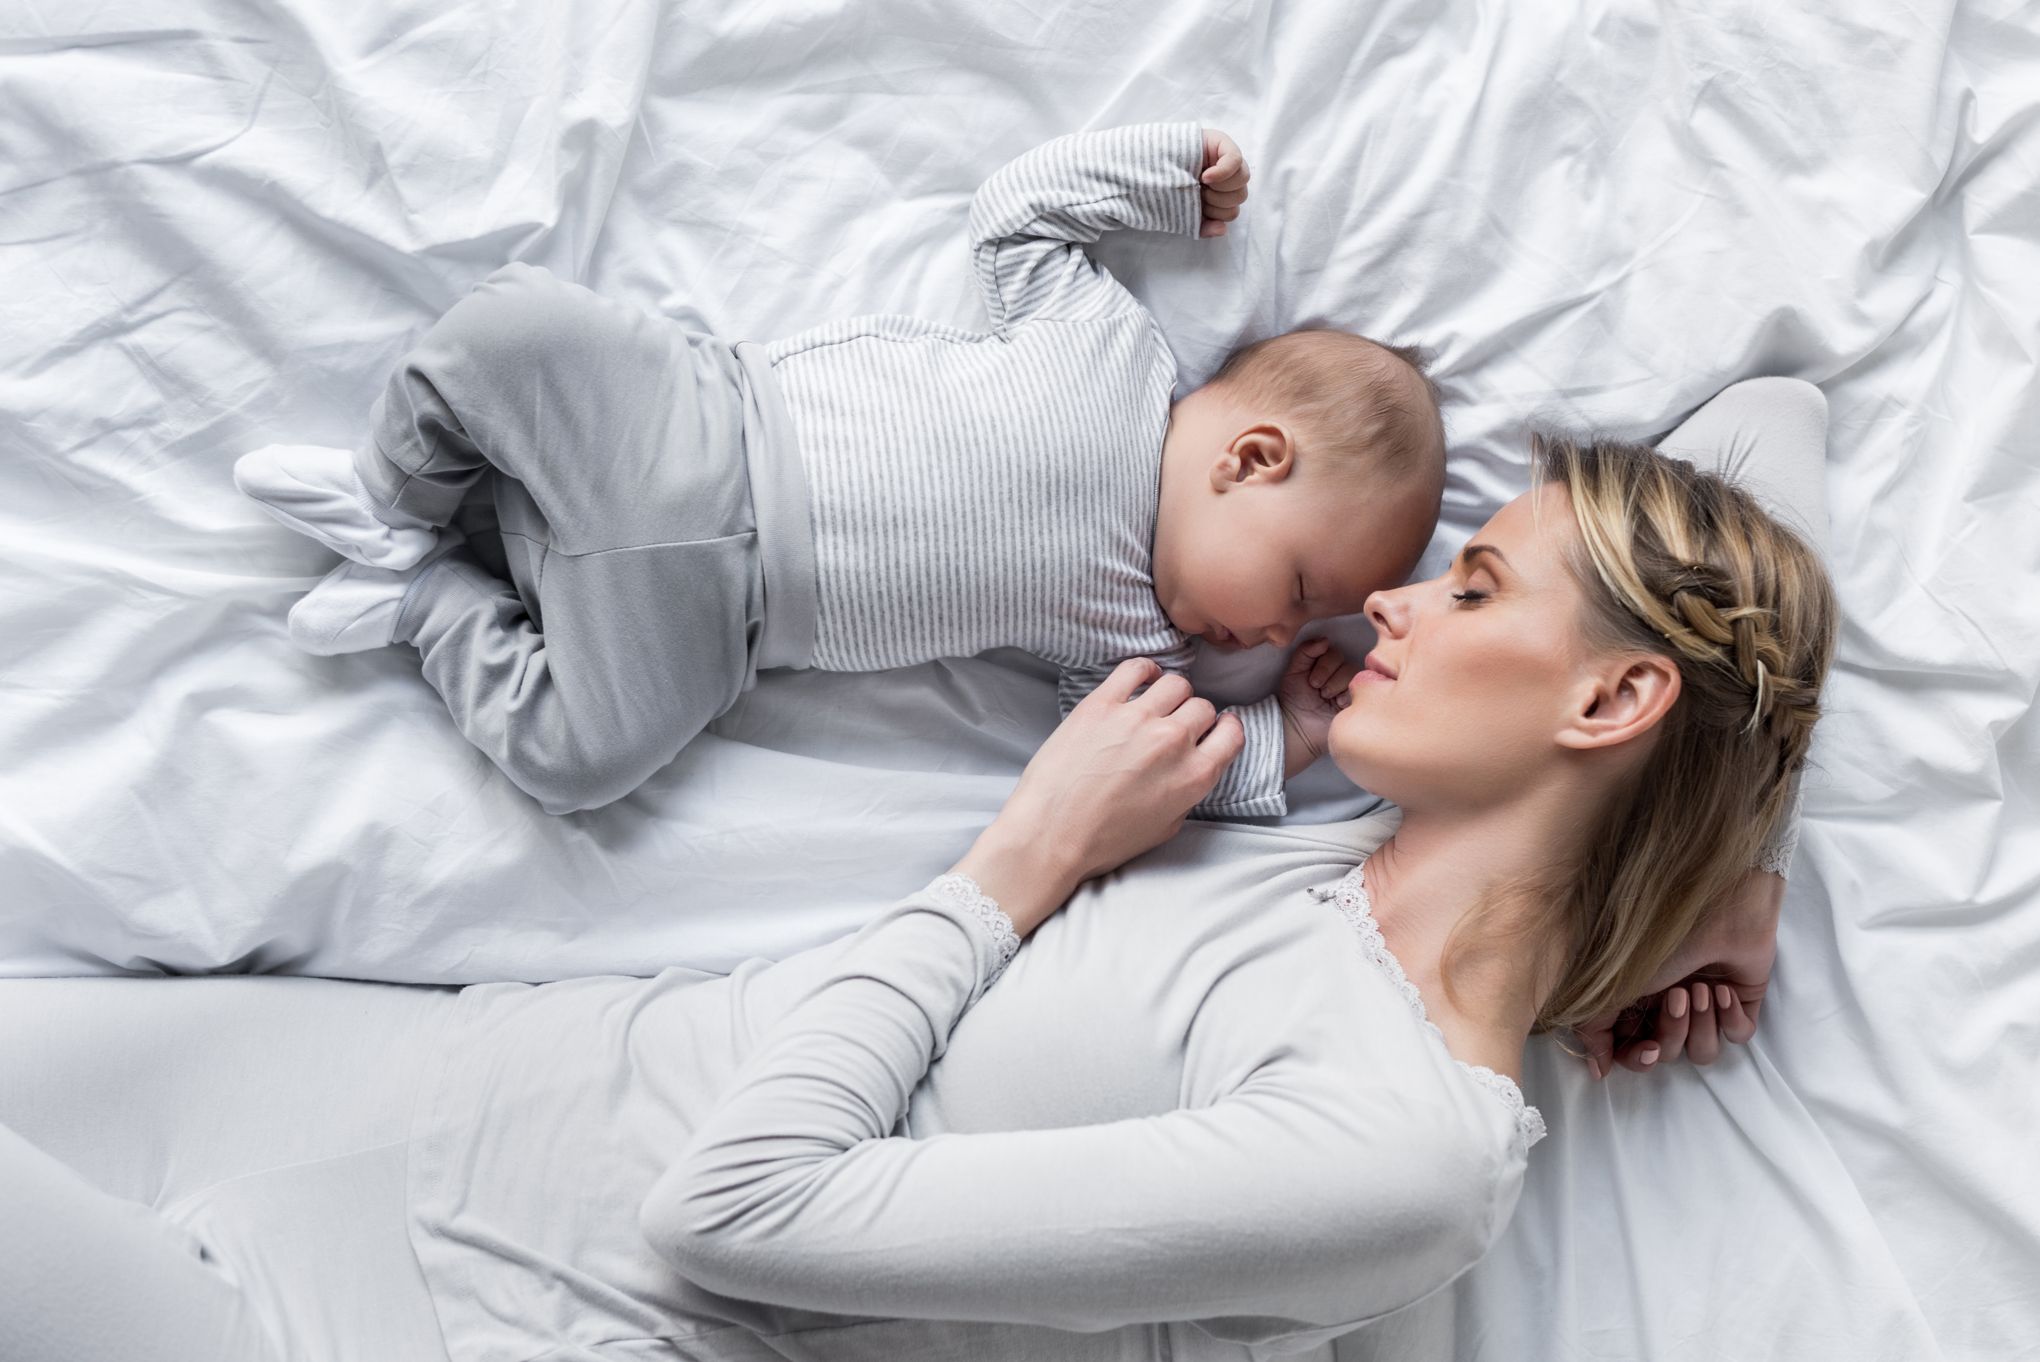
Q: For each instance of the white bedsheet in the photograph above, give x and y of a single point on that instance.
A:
(220, 224)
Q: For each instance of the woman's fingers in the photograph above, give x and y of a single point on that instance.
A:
(1126, 678)
(1224, 742)
(1674, 1023)
(1703, 1042)
(1737, 1025)
(1597, 1038)
(1167, 693)
(1196, 714)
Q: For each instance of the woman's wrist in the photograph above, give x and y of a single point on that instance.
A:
(1024, 873)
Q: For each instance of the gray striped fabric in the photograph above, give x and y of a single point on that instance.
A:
(985, 489)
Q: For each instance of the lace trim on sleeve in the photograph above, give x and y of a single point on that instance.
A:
(961, 891)
(1349, 896)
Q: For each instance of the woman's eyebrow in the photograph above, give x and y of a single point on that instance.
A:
(1473, 551)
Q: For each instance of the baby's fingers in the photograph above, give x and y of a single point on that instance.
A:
(1328, 663)
(1228, 169)
(1306, 656)
(1338, 685)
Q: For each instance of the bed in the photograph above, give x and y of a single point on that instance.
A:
(219, 225)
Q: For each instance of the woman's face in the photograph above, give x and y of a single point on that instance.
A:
(1475, 674)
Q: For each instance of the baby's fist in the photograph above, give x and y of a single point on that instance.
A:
(1310, 695)
(1225, 182)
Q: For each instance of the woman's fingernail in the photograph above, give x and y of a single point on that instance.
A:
(1676, 1004)
(1703, 998)
(1723, 996)
(1648, 1054)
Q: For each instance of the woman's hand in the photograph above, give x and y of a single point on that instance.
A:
(1116, 779)
(1711, 991)
(1310, 695)
(1225, 182)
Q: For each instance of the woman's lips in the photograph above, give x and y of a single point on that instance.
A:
(1373, 672)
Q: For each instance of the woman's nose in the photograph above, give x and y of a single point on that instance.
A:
(1388, 613)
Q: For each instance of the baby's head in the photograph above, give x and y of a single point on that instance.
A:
(1301, 479)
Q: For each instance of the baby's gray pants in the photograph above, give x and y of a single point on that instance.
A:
(635, 461)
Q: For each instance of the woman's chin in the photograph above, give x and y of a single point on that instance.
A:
(1345, 746)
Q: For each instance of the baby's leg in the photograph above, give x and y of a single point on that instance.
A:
(581, 399)
(640, 650)
(471, 385)
(626, 522)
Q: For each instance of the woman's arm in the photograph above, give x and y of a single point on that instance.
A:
(1246, 1214)
(1258, 1214)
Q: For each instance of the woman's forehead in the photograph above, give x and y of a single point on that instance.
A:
(1531, 531)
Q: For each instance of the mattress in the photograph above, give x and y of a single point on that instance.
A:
(219, 227)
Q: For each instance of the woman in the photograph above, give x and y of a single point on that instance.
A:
(1242, 1098)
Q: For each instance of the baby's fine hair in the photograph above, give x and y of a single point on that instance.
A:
(1356, 397)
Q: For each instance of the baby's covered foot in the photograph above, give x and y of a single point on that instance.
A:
(315, 490)
(354, 608)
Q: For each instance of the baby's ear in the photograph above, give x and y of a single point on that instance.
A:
(1263, 452)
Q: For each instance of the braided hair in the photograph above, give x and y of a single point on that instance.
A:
(1687, 565)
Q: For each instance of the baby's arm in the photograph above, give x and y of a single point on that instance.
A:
(1030, 221)
(1252, 786)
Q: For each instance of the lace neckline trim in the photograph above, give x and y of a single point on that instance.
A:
(1349, 896)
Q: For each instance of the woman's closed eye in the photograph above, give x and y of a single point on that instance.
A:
(1470, 596)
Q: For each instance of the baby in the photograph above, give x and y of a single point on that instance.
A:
(678, 512)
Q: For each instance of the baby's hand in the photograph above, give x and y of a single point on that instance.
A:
(1310, 696)
(1225, 182)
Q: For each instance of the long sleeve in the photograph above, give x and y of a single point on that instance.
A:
(1253, 786)
(1770, 434)
(1284, 1207)
(1031, 220)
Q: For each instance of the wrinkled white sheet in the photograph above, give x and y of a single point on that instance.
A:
(220, 224)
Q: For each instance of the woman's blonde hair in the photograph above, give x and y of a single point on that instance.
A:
(1686, 565)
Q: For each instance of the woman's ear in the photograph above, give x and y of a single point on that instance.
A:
(1623, 698)
(1263, 452)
